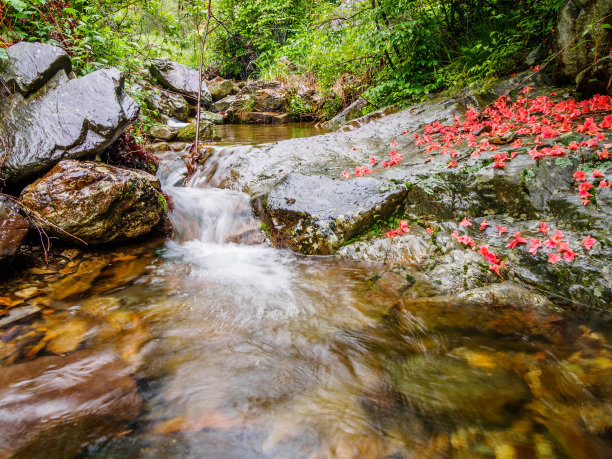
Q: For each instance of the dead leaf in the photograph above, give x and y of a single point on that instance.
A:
(125, 258)
(214, 420)
(70, 253)
(41, 271)
(27, 293)
(8, 301)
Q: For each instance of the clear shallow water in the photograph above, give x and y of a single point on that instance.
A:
(244, 351)
(256, 133)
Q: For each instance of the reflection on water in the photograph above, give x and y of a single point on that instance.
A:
(257, 133)
(244, 351)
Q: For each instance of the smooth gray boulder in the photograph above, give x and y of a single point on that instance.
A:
(179, 78)
(31, 65)
(64, 119)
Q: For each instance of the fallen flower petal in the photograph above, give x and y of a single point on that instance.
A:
(403, 227)
(517, 240)
(534, 245)
(569, 255)
(589, 242)
(544, 228)
(553, 258)
(557, 236)
(580, 176)
(563, 247)
(550, 243)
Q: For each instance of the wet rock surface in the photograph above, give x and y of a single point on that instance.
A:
(30, 123)
(163, 132)
(180, 78)
(354, 110)
(188, 133)
(517, 197)
(574, 52)
(54, 406)
(315, 214)
(168, 103)
(410, 250)
(30, 65)
(95, 202)
(13, 228)
(220, 89)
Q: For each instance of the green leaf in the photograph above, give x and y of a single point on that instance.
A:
(18, 5)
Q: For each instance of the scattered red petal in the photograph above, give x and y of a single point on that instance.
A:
(465, 222)
(553, 258)
(580, 176)
(589, 242)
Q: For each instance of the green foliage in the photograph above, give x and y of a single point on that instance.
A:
(298, 107)
(399, 51)
(392, 52)
(247, 30)
(94, 34)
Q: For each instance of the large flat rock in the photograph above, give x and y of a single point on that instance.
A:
(317, 214)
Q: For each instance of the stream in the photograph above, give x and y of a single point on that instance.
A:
(241, 350)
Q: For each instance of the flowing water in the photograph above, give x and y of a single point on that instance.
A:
(241, 350)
